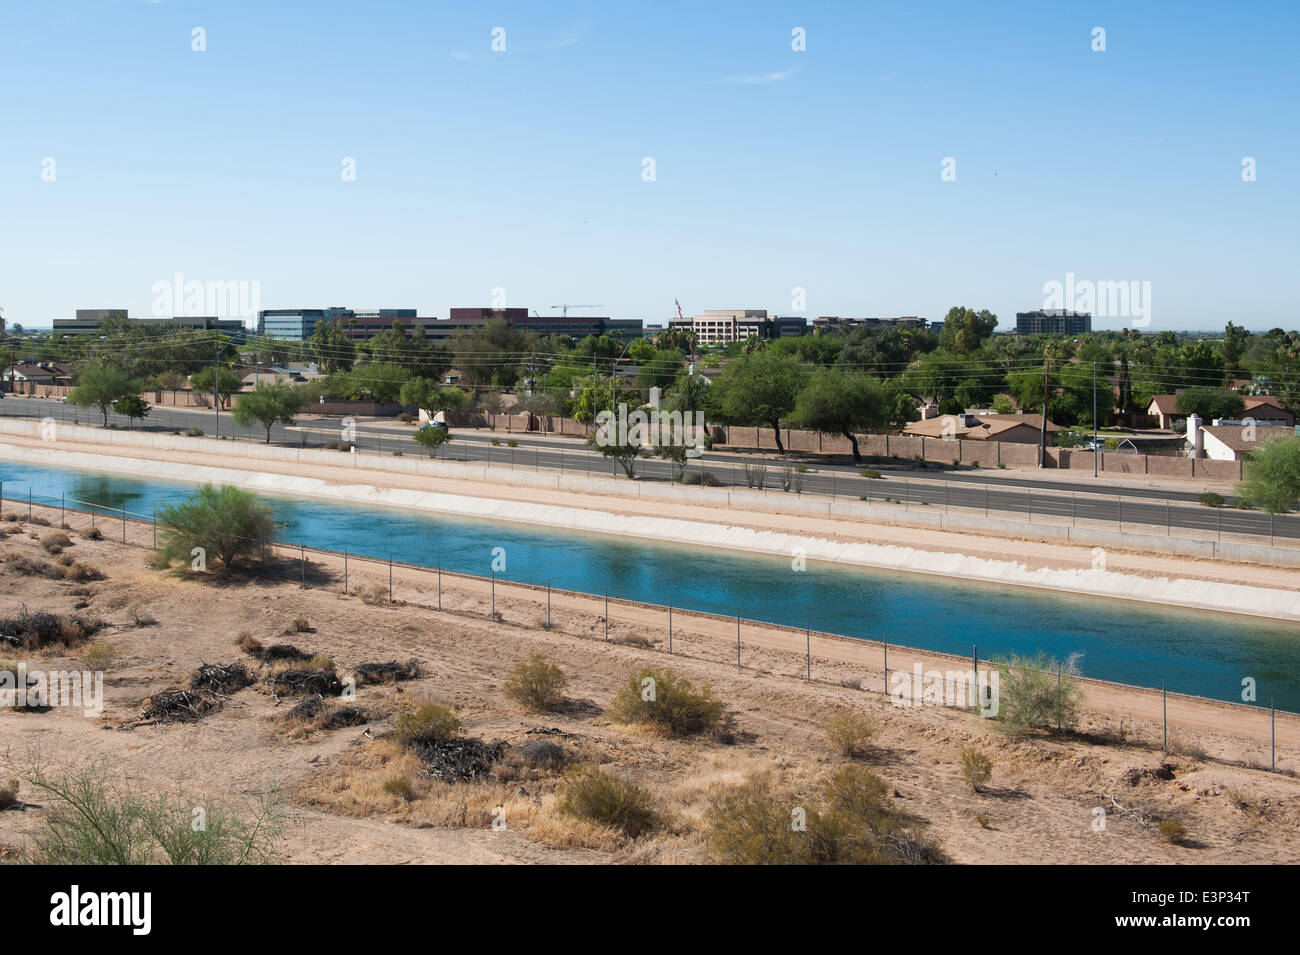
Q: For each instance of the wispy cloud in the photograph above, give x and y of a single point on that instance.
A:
(757, 79)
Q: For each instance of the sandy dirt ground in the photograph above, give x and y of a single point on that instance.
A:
(1040, 806)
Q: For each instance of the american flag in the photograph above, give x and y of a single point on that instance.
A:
(679, 307)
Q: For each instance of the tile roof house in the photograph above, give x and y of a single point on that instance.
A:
(1015, 428)
(1232, 442)
(1164, 408)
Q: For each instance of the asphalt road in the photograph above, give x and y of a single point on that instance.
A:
(997, 494)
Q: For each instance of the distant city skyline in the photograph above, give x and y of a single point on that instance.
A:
(811, 160)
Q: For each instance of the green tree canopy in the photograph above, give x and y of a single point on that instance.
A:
(965, 329)
(268, 403)
(836, 401)
(1273, 476)
(100, 385)
(1210, 403)
(759, 388)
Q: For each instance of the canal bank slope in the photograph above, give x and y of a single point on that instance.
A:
(1171, 580)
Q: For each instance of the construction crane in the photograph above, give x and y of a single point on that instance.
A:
(564, 309)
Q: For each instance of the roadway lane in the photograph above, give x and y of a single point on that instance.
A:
(993, 495)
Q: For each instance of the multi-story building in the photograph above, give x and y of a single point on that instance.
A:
(830, 323)
(364, 324)
(89, 321)
(1053, 321)
(724, 326)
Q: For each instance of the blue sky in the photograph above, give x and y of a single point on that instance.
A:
(774, 169)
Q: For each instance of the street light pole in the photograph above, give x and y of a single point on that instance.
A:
(1094, 419)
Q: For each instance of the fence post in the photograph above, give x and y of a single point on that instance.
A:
(1058, 696)
(1272, 719)
(807, 647)
(92, 515)
(302, 558)
(1164, 717)
(62, 507)
(390, 580)
(670, 626)
(155, 532)
(1029, 504)
(884, 639)
(606, 612)
(345, 572)
(29, 503)
(737, 636)
(975, 658)
(123, 523)
(440, 587)
(494, 594)
(548, 603)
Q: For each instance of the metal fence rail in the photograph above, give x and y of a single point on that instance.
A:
(144, 528)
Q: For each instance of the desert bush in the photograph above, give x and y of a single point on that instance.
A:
(229, 523)
(754, 823)
(1185, 746)
(670, 703)
(39, 630)
(92, 821)
(849, 734)
(543, 754)
(428, 725)
(80, 572)
(1211, 499)
(401, 787)
(374, 595)
(142, 618)
(593, 794)
(1173, 831)
(93, 534)
(98, 655)
(976, 768)
(536, 684)
(55, 541)
(1032, 697)
(300, 625)
(31, 567)
(9, 794)
(65, 560)
(870, 473)
(249, 644)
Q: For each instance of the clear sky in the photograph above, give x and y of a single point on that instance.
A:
(775, 169)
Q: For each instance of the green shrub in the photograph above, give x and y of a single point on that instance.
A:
(428, 725)
(536, 684)
(670, 703)
(98, 655)
(976, 768)
(1173, 831)
(851, 823)
(92, 821)
(592, 794)
(1031, 697)
(229, 523)
(871, 473)
(849, 734)
(1211, 499)
(300, 625)
(512, 443)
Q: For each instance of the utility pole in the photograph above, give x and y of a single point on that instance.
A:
(216, 387)
(1042, 436)
(1095, 452)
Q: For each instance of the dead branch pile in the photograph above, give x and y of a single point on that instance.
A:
(175, 705)
(344, 716)
(307, 710)
(390, 672)
(282, 651)
(221, 678)
(459, 760)
(301, 681)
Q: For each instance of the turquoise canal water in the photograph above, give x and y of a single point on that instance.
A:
(1200, 653)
